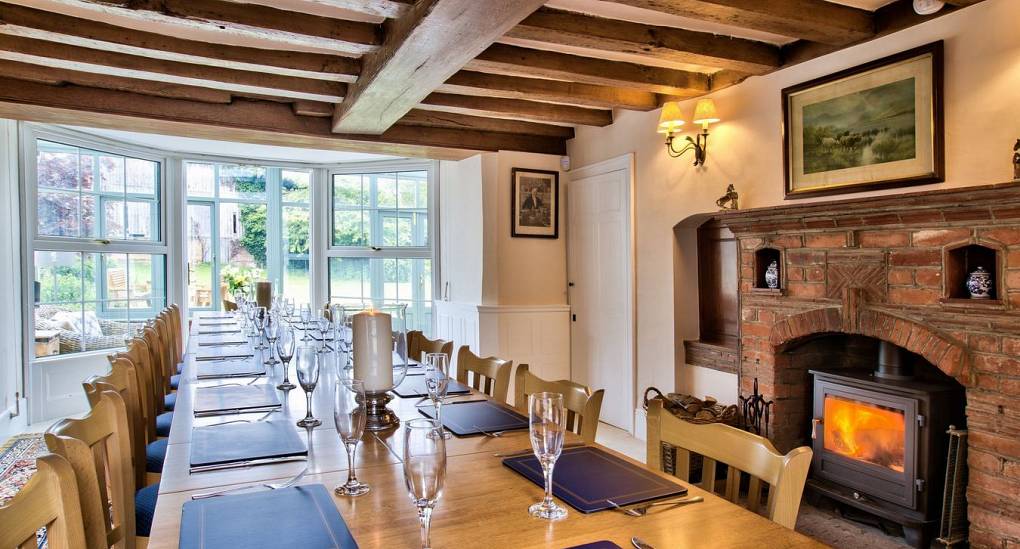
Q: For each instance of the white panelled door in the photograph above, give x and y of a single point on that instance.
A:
(600, 265)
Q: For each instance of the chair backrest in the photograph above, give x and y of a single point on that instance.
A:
(97, 448)
(150, 399)
(123, 378)
(157, 358)
(418, 346)
(489, 375)
(742, 452)
(583, 405)
(50, 499)
(167, 358)
(176, 334)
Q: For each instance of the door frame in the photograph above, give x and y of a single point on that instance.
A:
(623, 162)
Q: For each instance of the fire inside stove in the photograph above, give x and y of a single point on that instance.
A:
(864, 431)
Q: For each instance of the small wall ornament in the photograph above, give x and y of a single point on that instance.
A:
(1016, 160)
(772, 275)
(730, 200)
(979, 284)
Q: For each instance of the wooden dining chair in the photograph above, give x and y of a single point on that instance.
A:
(157, 423)
(176, 334)
(418, 346)
(489, 375)
(742, 452)
(124, 381)
(50, 500)
(157, 358)
(583, 406)
(97, 448)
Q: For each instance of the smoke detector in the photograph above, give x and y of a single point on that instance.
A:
(928, 7)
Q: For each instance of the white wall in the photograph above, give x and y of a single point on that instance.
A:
(982, 87)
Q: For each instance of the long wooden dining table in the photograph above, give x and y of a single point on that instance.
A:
(484, 503)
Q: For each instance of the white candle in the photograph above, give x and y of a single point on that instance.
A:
(373, 350)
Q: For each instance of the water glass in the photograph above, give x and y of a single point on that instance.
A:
(424, 469)
(307, 366)
(437, 381)
(349, 417)
(547, 420)
(285, 349)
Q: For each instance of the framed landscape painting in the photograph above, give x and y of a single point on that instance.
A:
(874, 126)
(534, 203)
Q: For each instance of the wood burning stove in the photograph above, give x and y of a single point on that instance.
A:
(879, 441)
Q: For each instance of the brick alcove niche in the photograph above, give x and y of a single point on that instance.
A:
(875, 269)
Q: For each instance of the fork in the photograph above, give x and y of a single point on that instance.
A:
(643, 509)
(496, 434)
(271, 486)
(256, 420)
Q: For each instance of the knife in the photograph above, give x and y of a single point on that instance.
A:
(639, 544)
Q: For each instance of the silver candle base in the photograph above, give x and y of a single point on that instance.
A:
(377, 416)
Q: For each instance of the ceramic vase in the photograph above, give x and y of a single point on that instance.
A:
(772, 275)
(979, 284)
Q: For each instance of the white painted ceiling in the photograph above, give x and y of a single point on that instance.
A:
(188, 145)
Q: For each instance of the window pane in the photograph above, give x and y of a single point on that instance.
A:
(242, 245)
(58, 277)
(147, 279)
(349, 280)
(141, 218)
(295, 185)
(348, 191)
(111, 173)
(113, 217)
(57, 166)
(142, 176)
(58, 213)
(247, 182)
(89, 216)
(393, 207)
(356, 280)
(385, 189)
(296, 254)
(350, 229)
(200, 255)
(413, 188)
(116, 278)
(200, 178)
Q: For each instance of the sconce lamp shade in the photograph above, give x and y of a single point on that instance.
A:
(704, 112)
(670, 120)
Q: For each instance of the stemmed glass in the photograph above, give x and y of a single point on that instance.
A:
(252, 313)
(547, 425)
(272, 334)
(308, 377)
(437, 380)
(285, 348)
(306, 318)
(349, 418)
(323, 325)
(260, 324)
(424, 469)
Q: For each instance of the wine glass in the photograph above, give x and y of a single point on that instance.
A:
(306, 318)
(260, 325)
(437, 380)
(424, 469)
(285, 348)
(323, 325)
(272, 334)
(349, 418)
(308, 376)
(547, 425)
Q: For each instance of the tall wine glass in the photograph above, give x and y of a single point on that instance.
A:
(307, 366)
(251, 313)
(285, 348)
(272, 331)
(260, 325)
(547, 425)
(437, 381)
(306, 318)
(424, 469)
(323, 325)
(349, 418)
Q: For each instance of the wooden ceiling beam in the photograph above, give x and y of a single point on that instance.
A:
(423, 49)
(517, 61)
(564, 28)
(551, 91)
(815, 20)
(62, 56)
(244, 120)
(439, 119)
(224, 22)
(32, 23)
(517, 109)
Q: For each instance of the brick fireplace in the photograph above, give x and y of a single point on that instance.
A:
(892, 269)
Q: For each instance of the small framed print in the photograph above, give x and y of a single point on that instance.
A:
(535, 203)
(874, 126)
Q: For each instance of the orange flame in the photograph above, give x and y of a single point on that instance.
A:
(863, 431)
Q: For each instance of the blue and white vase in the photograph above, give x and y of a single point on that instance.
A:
(979, 284)
(772, 275)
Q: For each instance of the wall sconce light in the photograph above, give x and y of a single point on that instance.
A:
(671, 120)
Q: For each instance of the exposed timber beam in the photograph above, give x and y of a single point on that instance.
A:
(223, 22)
(54, 27)
(435, 39)
(379, 9)
(61, 56)
(244, 120)
(516, 61)
(517, 109)
(438, 119)
(815, 20)
(564, 28)
(551, 91)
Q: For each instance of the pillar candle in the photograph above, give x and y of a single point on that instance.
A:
(373, 350)
(264, 294)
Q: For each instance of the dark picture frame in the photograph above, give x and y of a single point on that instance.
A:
(534, 203)
(820, 150)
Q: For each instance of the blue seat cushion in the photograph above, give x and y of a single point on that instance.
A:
(163, 422)
(155, 455)
(180, 367)
(145, 508)
(169, 401)
(175, 381)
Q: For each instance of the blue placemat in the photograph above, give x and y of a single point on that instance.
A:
(216, 369)
(260, 441)
(472, 417)
(215, 401)
(586, 477)
(223, 352)
(604, 544)
(414, 387)
(298, 517)
(224, 339)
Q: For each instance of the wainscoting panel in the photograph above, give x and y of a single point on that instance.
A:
(457, 322)
(535, 335)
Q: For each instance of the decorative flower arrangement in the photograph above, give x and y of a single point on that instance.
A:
(238, 277)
